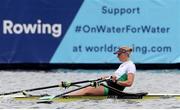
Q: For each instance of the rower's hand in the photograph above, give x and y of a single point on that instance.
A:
(113, 78)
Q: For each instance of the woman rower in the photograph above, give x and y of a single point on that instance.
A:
(122, 77)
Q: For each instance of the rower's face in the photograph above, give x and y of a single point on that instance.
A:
(122, 57)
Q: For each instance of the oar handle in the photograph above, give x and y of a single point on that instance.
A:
(84, 81)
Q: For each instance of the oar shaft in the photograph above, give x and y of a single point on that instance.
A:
(28, 90)
(72, 90)
(84, 81)
(47, 87)
(10, 93)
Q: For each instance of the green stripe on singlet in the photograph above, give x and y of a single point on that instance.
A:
(124, 77)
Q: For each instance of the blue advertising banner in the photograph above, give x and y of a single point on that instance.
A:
(31, 30)
(89, 31)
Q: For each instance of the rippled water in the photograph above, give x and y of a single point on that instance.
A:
(152, 81)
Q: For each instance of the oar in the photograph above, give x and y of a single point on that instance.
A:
(49, 98)
(48, 87)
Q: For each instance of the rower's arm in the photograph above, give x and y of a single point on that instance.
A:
(128, 82)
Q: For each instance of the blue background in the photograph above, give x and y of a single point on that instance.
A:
(38, 48)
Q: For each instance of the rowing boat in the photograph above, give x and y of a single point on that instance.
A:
(64, 98)
(136, 96)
